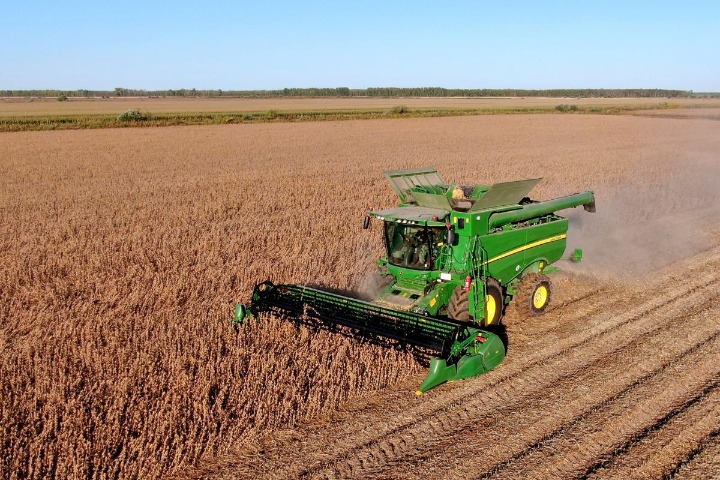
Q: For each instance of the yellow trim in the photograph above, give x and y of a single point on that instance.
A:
(490, 308)
(527, 247)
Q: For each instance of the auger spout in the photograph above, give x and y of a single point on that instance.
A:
(532, 210)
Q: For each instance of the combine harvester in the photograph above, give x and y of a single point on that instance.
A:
(456, 257)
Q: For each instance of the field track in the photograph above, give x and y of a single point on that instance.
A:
(616, 393)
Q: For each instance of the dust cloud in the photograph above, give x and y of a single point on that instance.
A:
(641, 228)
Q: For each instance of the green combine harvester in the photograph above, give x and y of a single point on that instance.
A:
(456, 258)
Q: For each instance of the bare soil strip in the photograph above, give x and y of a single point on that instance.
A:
(380, 435)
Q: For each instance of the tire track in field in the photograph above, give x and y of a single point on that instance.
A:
(618, 426)
(392, 416)
(550, 323)
(521, 330)
(565, 304)
(663, 409)
(662, 453)
(522, 428)
(701, 464)
(439, 423)
(580, 417)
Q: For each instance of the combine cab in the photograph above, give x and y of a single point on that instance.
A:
(456, 258)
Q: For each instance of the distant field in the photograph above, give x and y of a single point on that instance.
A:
(13, 107)
(18, 115)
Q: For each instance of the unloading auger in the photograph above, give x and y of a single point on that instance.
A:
(456, 257)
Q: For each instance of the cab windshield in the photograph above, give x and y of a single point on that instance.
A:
(412, 246)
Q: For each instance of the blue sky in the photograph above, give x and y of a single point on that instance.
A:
(271, 45)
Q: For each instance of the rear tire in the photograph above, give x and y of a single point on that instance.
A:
(534, 295)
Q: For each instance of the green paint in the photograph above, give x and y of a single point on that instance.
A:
(479, 353)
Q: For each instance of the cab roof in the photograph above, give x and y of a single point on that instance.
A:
(413, 215)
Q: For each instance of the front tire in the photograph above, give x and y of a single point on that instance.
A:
(459, 305)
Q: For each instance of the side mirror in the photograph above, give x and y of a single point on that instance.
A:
(366, 222)
(451, 238)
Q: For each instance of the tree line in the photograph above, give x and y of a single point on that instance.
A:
(362, 92)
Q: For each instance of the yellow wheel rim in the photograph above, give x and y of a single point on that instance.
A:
(490, 308)
(540, 297)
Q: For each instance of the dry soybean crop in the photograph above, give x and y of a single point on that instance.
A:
(123, 252)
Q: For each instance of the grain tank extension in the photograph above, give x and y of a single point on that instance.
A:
(456, 258)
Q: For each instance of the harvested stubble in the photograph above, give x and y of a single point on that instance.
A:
(124, 250)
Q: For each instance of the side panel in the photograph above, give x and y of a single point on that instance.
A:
(510, 252)
(505, 253)
(549, 241)
(438, 298)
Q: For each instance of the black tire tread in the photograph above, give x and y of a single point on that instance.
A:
(459, 305)
(522, 302)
